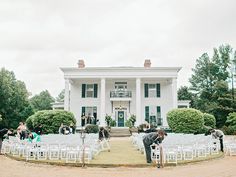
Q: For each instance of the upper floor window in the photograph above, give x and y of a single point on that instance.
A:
(89, 90)
(152, 90)
(120, 86)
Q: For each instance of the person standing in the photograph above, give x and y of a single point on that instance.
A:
(2, 133)
(218, 134)
(152, 138)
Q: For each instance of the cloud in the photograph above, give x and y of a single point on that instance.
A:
(38, 37)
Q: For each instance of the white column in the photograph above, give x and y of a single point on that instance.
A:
(174, 92)
(102, 103)
(138, 102)
(66, 98)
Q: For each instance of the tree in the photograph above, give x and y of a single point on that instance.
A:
(13, 100)
(184, 93)
(209, 82)
(42, 101)
(60, 97)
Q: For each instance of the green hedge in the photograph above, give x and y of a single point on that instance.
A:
(90, 128)
(230, 124)
(209, 120)
(185, 120)
(50, 120)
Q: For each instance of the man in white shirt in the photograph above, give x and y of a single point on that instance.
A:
(218, 134)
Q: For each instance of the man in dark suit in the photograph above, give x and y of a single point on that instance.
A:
(152, 138)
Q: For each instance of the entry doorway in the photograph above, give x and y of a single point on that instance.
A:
(120, 117)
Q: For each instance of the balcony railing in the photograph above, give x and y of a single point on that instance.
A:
(120, 94)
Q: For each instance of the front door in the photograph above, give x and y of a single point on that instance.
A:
(121, 118)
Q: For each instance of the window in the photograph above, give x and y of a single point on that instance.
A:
(89, 90)
(153, 115)
(89, 115)
(152, 90)
(120, 86)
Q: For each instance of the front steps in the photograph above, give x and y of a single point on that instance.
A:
(120, 132)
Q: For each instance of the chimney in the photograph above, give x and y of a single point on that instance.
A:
(147, 63)
(81, 64)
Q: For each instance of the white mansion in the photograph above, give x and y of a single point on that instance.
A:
(146, 92)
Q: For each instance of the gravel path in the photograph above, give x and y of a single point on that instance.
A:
(224, 167)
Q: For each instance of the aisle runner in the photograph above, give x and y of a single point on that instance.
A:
(122, 152)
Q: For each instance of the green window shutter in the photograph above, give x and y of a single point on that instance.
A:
(83, 90)
(95, 90)
(158, 111)
(83, 111)
(147, 113)
(158, 89)
(159, 119)
(146, 90)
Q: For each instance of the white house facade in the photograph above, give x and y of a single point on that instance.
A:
(146, 92)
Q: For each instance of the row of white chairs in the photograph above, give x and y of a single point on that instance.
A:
(178, 147)
(68, 148)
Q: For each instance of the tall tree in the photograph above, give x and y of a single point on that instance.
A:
(184, 93)
(13, 99)
(60, 97)
(42, 101)
(209, 81)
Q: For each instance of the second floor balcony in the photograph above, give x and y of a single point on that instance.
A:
(120, 94)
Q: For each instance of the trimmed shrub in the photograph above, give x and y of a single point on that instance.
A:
(29, 123)
(108, 120)
(113, 123)
(230, 130)
(128, 123)
(50, 120)
(185, 120)
(209, 120)
(90, 128)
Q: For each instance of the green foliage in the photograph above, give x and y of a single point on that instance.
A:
(113, 123)
(42, 101)
(128, 123)
(50, 120)
(210, 83)
(60, 97)
(184, 93)
(185, 120)
(230, 130)
(132, 119)
(141, 127)
(0, 118)
(231, 119)
(209, 120)
(29, 123)
(108, 120)
(13, 100)
(90, 128)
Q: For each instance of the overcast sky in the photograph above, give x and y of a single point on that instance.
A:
(38, 37)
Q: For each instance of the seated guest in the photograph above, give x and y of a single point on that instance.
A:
(10, 132)
(38, 129)
(61, 131)
(33, 137)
